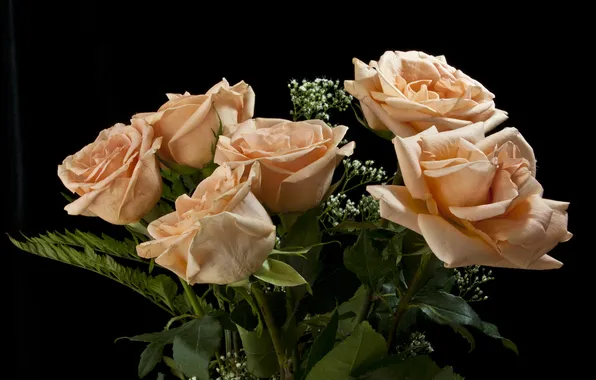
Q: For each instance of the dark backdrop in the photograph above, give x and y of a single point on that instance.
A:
(71, 70)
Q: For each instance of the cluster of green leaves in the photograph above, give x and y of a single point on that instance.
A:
(192, 344)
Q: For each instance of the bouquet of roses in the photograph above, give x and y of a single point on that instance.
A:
(282, 274)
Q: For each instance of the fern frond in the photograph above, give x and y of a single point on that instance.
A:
(105, 244)
(161, 289)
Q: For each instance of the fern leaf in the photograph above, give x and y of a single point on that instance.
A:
(105, 244)
(160, 290)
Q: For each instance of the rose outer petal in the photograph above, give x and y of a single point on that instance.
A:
(398, 206)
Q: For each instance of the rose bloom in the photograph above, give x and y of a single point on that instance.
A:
(220, 235)
(408, 92)
(297, 159)
(474, 199)
(116, 176)
(189, 123)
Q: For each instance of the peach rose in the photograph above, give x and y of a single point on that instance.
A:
(117, 176)
(297, 159)
(220, 235)
(474, 199)
(408, 92)
(189, 123)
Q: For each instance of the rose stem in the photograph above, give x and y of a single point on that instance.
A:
(272, 328)
(192, 298)
(404, 302)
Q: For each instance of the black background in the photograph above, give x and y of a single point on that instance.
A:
(71, 70)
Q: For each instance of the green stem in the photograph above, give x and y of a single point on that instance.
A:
(274, 332)
(192, 298)
(404, 302)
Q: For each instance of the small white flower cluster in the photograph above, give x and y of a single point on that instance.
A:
(368, 173)
(468, 280)
(369, 208)
(314, 100)
(234, 368)
(336, 212)
(418, 345)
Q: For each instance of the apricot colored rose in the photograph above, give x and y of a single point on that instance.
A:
(474, 199)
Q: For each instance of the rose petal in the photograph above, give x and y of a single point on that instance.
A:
(443, 145)
(497, 117)
(503, 188)
(509, 134)
(373, 111)
(229, 248)
(461, 185)
(524, 224)
(305, 188)
(175, 255)
(408, 154)
(398, 206)
(191, 144)
(453, 246)
(480, 212)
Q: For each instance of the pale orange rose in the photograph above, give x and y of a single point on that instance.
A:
(220, 235)
(117, 176)
(297, 159)
(408, 92)
(474, 199)
(189, 123)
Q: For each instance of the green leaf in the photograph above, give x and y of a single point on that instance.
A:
(67, 197)
(366, 261)
(261, 359)
(323, 344)
(149, 358)
(165, 288)
(173, 187)
(304, 232)
(352, 225)
(492, 331)
(165, 337)
(181, 304)
(243, 294)
(360, 349)
(354, 307)
(243, 315)
(194, 346)
(418, 368)
(279, 273)
(421, 258)
(133, 278)
(447, 374)
(174, 367)
(447, 309)
(300, 251)
(442, 279)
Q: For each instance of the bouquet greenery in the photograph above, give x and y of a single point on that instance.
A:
(272, 262)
